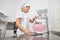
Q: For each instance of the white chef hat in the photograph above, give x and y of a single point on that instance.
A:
(25, 4)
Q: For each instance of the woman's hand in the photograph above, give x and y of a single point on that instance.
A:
(35, 17)
(28, 32)
(32, 20)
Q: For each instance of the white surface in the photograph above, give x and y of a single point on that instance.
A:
(9, 33)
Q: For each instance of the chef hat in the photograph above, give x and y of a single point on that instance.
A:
(25, 4)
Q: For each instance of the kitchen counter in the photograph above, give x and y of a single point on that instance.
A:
(52, 36)
(27, 37)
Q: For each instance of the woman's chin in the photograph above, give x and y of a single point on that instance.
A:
(26, 12)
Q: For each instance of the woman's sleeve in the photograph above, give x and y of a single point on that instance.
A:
(19, 15)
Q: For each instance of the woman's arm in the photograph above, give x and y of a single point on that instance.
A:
(18, 23)
(32, 20)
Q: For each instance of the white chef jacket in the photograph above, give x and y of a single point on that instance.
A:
(25, 20)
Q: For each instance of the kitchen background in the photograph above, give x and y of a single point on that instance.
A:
(11, 7)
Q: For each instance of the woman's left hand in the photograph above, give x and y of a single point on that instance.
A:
(32, 20)
(35, 17)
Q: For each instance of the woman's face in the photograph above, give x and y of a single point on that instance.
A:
(26, 9)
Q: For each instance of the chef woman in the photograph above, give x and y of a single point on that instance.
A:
(23, 18)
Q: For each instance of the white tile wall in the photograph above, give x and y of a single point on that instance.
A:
(54, 10)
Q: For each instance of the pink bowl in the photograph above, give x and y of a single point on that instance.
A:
(38, 27)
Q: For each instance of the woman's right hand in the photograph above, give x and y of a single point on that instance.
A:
(28, 32)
